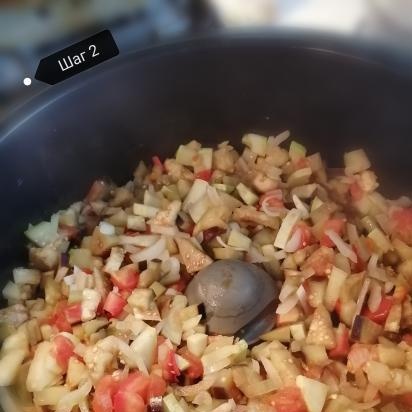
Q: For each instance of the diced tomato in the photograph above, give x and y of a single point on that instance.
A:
(287, 400)
(63, 350)
(407, 338)
(103, 395)
(136, 383)
(204, 175)
(180, 285)
(157, 162)
(97, 191)
(128, 402)
(356, 191)
(380, 315)
(58, 318)
(401, 224)
(336, 225)
(321, 261)
(211, 233)
(73, 313)
(126, 278)
(301, 163)
(406, 400)
(195, 369)
(114, 304)
(157, 387)
(341, 349)
(170, 370)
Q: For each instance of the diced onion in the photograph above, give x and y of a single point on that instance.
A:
(375, 297)
(164, 230)
(342, 246)
(171, 266)
(193, 390)
(303, 300)
(362, 297)
(254, 256)
(286, 291)
(294, 242)
(107, 229)
(213, 196)
(225, 245)
(286, 228)
(69, 401)
(150, 253)
(287, 305)
(279, 139)
(301, 206)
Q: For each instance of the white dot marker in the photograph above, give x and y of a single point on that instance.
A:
(27, 81)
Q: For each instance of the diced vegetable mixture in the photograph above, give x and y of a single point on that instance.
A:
(98, 320)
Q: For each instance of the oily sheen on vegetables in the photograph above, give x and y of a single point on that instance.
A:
(98, 319)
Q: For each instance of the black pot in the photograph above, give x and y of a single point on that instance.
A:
(333, 94)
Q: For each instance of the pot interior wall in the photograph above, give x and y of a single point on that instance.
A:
(213, 91)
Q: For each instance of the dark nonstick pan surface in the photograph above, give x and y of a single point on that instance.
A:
(333, 94)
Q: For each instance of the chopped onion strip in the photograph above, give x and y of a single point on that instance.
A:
(150, 253)
(286, 228)
(164, 230)
(294, 242)
(225, 245)
(303, 300)
(362, 297)
(342, 246)
(279, 139)
(107, 228)
(193, 390)
(375, 297)
(254, 256)
(301, 206)
(286, 291)
(70, 400)
(287, 305)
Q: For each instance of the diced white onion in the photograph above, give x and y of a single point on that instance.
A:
(287, 305)
(286, 228)
(280, 255)
(375, 297)
(254, 256)
(279, 139)
(164, 230)
(362, 296)
(171, 266)
(150, 253)
(294, 242)
(342, 246)
(286, 291)
(303, 299)
(301, 206)
(69, 401)
(61, 273)
(107, 229)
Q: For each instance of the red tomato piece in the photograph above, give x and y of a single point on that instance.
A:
(170, 370)
(58, 318)
(407, 338)
(136, 383)
(103, 395)
(341, 349)
(356, 191)
(195, 369)
(127, 277)
(73, 313)
(211, 233)
(114, 304)
(380, 315)
(401, 224)
(360, 265)
(273, 198)
(157, 387)
(336, 225)
(406, 400)
(301, 163)
(128, 402)
(204, 175)
(63, 350)
(306, 234)
(287, 400)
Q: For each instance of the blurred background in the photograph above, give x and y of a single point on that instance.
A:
(32, 29)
